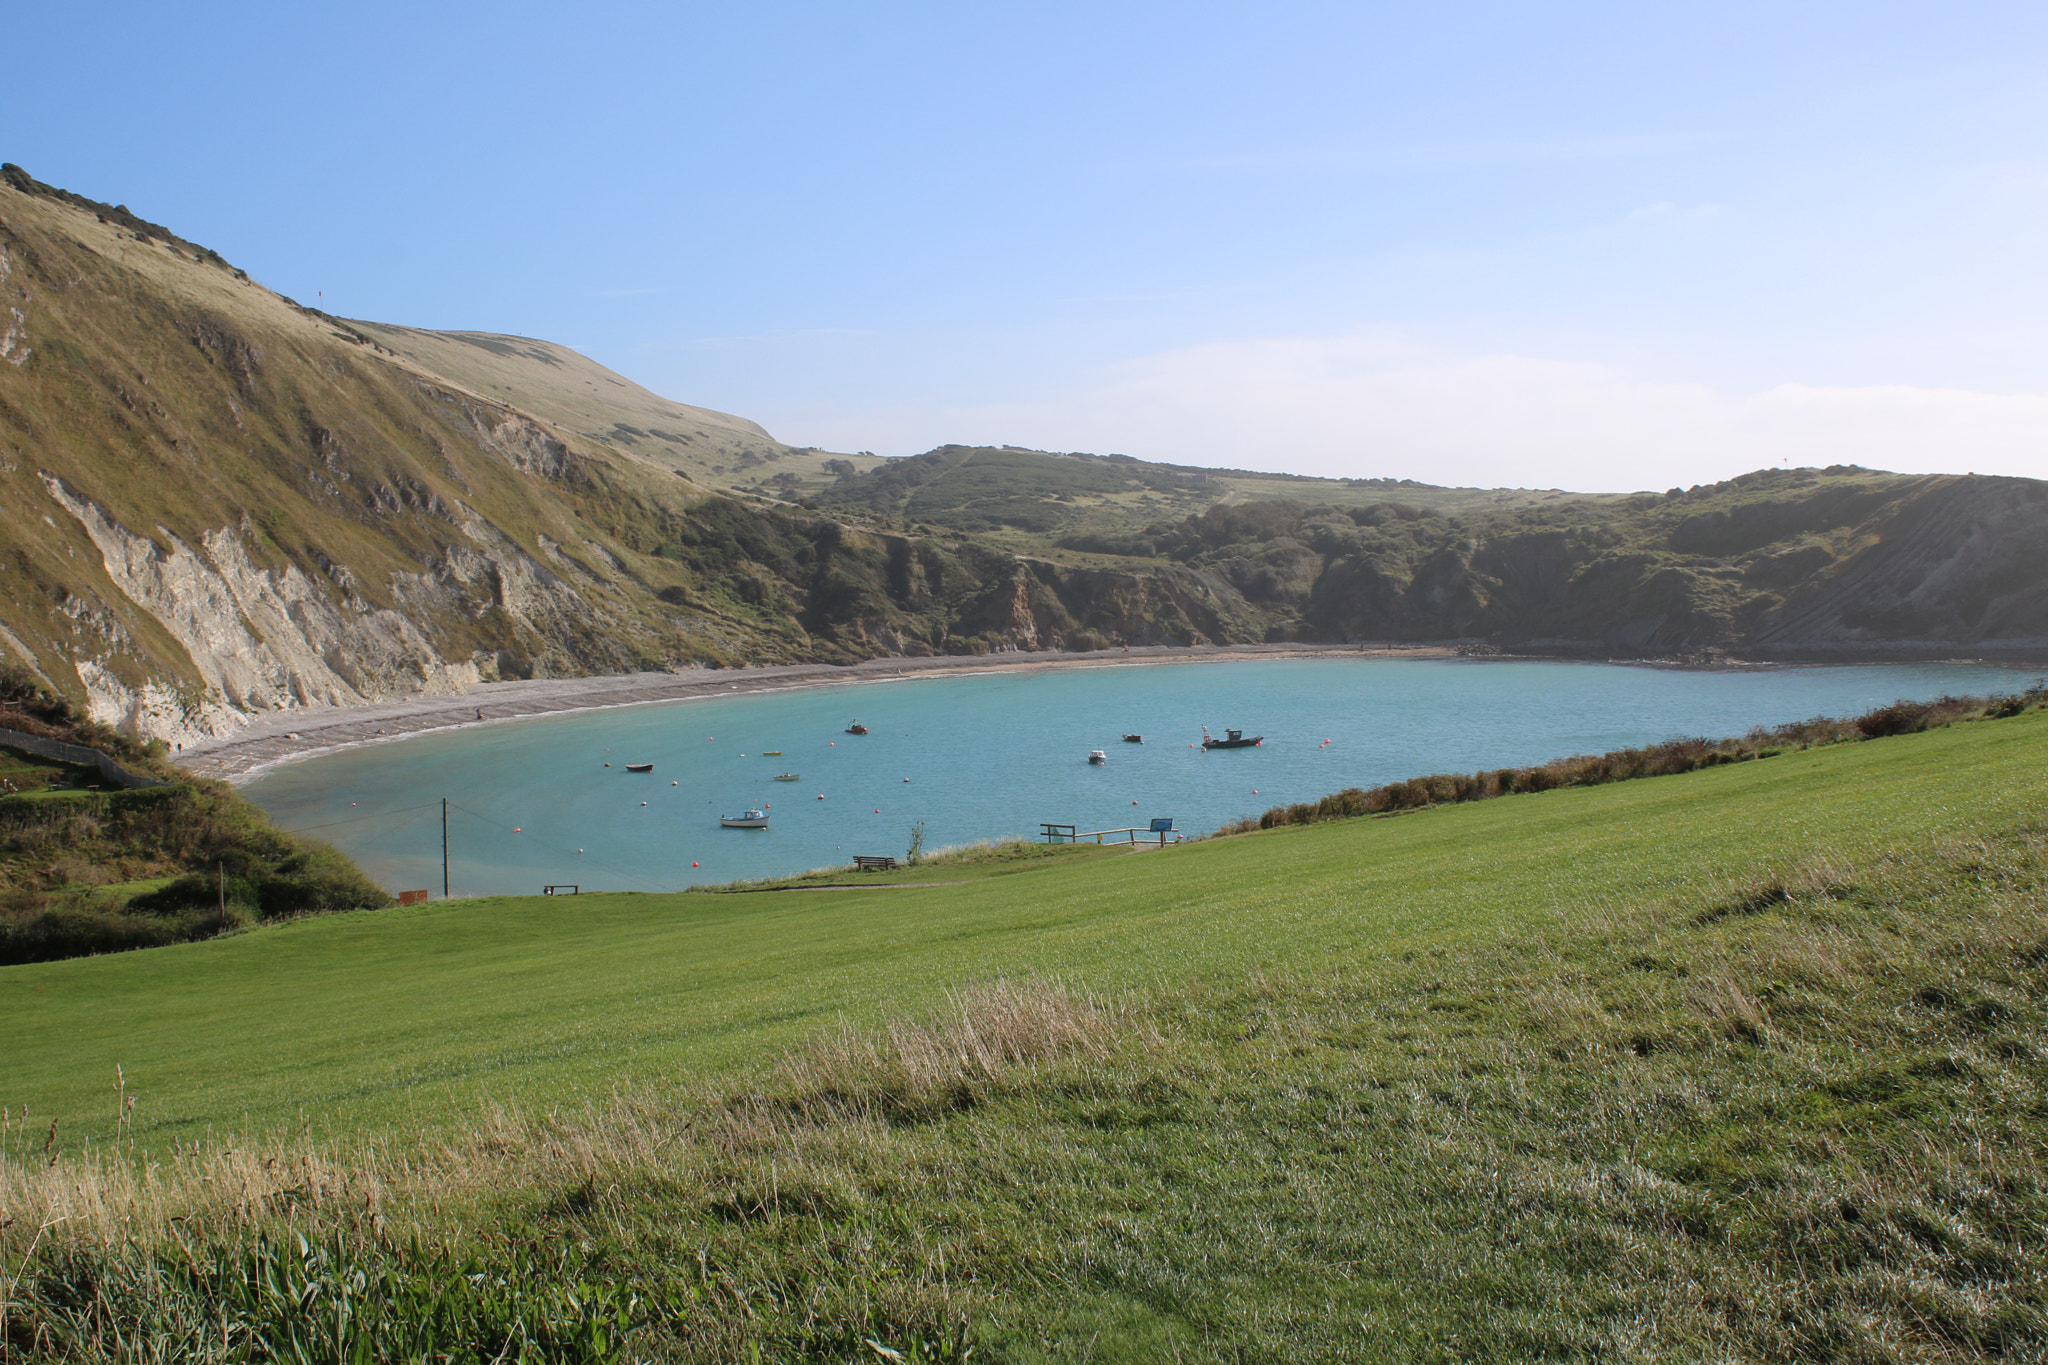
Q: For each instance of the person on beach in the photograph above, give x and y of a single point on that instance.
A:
(479, 713)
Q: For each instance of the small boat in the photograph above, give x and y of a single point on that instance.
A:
(789, 777)
(771, 753)
(1097, 756)
(1134, 739)
(1233, 739)
(753, 819)
(639, 767)
(856, 729)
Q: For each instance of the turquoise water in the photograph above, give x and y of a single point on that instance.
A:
(993, 755)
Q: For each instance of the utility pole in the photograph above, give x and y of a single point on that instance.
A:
(444, 848)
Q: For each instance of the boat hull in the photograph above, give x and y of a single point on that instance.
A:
(743, 822)
(1233, 743)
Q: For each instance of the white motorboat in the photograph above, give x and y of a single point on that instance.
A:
(753, 819)
(1097, 756)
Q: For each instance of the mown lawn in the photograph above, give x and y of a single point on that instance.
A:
(400, 1020)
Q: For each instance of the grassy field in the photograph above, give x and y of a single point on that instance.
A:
(398, 1019)
(1744, 1064)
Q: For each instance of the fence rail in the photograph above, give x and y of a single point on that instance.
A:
(77, 753)
(1067, 834)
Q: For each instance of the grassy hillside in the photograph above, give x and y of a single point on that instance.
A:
(1790, 562)
(409, 1016)
(1744, 1063)
(575, 394)
(87, 868)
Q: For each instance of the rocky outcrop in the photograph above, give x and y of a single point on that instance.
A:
(259, 639)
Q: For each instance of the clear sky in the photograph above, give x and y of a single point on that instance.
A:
(1589, 245)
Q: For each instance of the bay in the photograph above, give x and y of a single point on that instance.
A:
(993, 755)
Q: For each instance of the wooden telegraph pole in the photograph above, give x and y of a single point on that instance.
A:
(444, 848)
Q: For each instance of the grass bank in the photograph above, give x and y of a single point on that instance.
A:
(86, 871)
(1743, 1063)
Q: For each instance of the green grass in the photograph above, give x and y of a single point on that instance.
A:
(1745, 1064)
(402, 1020)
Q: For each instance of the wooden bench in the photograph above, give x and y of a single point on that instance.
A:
(867, 864)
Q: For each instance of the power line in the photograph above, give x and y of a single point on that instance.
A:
(356, 819)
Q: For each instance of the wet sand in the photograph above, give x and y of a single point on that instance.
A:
(291, 735)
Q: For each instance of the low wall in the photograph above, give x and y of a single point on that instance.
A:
(77, 753)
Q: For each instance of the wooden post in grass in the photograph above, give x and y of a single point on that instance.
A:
(444, 848)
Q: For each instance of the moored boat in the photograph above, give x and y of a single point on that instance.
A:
(639, 767)
(753, 819)
(789, 777)
(856, 729)
(1134, 739)
(1097, 756)
(1232, 739)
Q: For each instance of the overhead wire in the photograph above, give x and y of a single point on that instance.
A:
(358, 819)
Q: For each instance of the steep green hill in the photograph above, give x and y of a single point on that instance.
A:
(219, 503)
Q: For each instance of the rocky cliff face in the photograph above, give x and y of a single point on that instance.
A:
(218, 503)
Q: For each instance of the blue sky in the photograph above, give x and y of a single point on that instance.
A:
(1582, 245)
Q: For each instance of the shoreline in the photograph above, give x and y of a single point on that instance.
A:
(293, 736)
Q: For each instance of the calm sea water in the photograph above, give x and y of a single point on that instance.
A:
(988, 756)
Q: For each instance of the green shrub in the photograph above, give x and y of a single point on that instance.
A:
(343, 1298)
(1656, 760)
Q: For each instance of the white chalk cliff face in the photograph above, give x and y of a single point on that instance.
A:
(267, 640)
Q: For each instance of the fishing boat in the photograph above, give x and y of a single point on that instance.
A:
(639, 767)
(789, 777)
(753, 819)
(1232, 739)
(856, 729)
(1134, 739)
(1097, 756)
